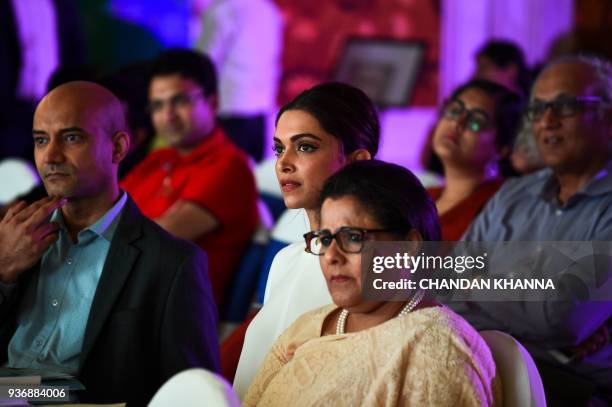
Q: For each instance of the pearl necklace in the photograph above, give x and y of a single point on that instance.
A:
(407, 308)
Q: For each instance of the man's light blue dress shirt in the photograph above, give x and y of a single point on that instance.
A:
(53, 315)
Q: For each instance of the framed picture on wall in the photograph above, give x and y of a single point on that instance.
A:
(386, 70)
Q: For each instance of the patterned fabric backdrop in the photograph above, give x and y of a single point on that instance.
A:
(315, 33)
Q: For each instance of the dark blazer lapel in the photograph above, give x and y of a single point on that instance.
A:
(120, 260)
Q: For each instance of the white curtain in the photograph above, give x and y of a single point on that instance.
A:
(468, 24)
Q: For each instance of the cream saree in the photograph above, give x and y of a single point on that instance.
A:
(430, 357)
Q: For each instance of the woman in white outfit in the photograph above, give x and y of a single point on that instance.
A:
(319, 132)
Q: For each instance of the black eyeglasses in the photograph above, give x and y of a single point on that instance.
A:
(476, 120)
(180, 100)
(350, 240)
(562, 107)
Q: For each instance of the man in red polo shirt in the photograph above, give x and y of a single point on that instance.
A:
(200, 188)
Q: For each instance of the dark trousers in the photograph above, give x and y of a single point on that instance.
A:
(247, 132)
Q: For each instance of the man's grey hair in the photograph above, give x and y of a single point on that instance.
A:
(601, 67)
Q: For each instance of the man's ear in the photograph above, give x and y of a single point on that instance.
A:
(121, 146)
(360, 154)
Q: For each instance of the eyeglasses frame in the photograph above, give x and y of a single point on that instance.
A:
(316, 233)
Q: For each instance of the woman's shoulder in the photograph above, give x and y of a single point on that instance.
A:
(289, 262)
(284, 259)
(293, 251)
(293, 260)
(435, 326)
(317, 314)
(440, 318)
(308, 325)
(442, 343)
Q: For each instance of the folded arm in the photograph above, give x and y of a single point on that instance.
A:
(187, 220)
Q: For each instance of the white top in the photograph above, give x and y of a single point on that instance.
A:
(290, 228)
(295, 286)
(244, 39)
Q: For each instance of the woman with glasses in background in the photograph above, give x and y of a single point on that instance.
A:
(319, 132)
(365, 352)
(473, 138)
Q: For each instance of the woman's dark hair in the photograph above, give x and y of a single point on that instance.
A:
(343, 111)
(392, 194)
(505, 53)
(508, 108)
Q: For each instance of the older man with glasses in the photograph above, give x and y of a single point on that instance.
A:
(200, 188)
(569, 200)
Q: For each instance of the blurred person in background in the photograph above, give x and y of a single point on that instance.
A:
(525, 157)
(36, 37)
(498, 61)
(569, 200)
(244, 38)
(130, 85)
(503, 62)
(473, 136)
(201, 187)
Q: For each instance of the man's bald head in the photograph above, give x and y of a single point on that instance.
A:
(92, 99)
(80, 137)
(583, 68)
(571, 115)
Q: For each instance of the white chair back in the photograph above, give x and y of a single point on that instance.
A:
(521, 382)
(195, 388)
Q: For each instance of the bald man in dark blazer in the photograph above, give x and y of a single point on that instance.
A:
(150, 312)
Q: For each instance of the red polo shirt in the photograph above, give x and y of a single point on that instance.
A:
(217, 177)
